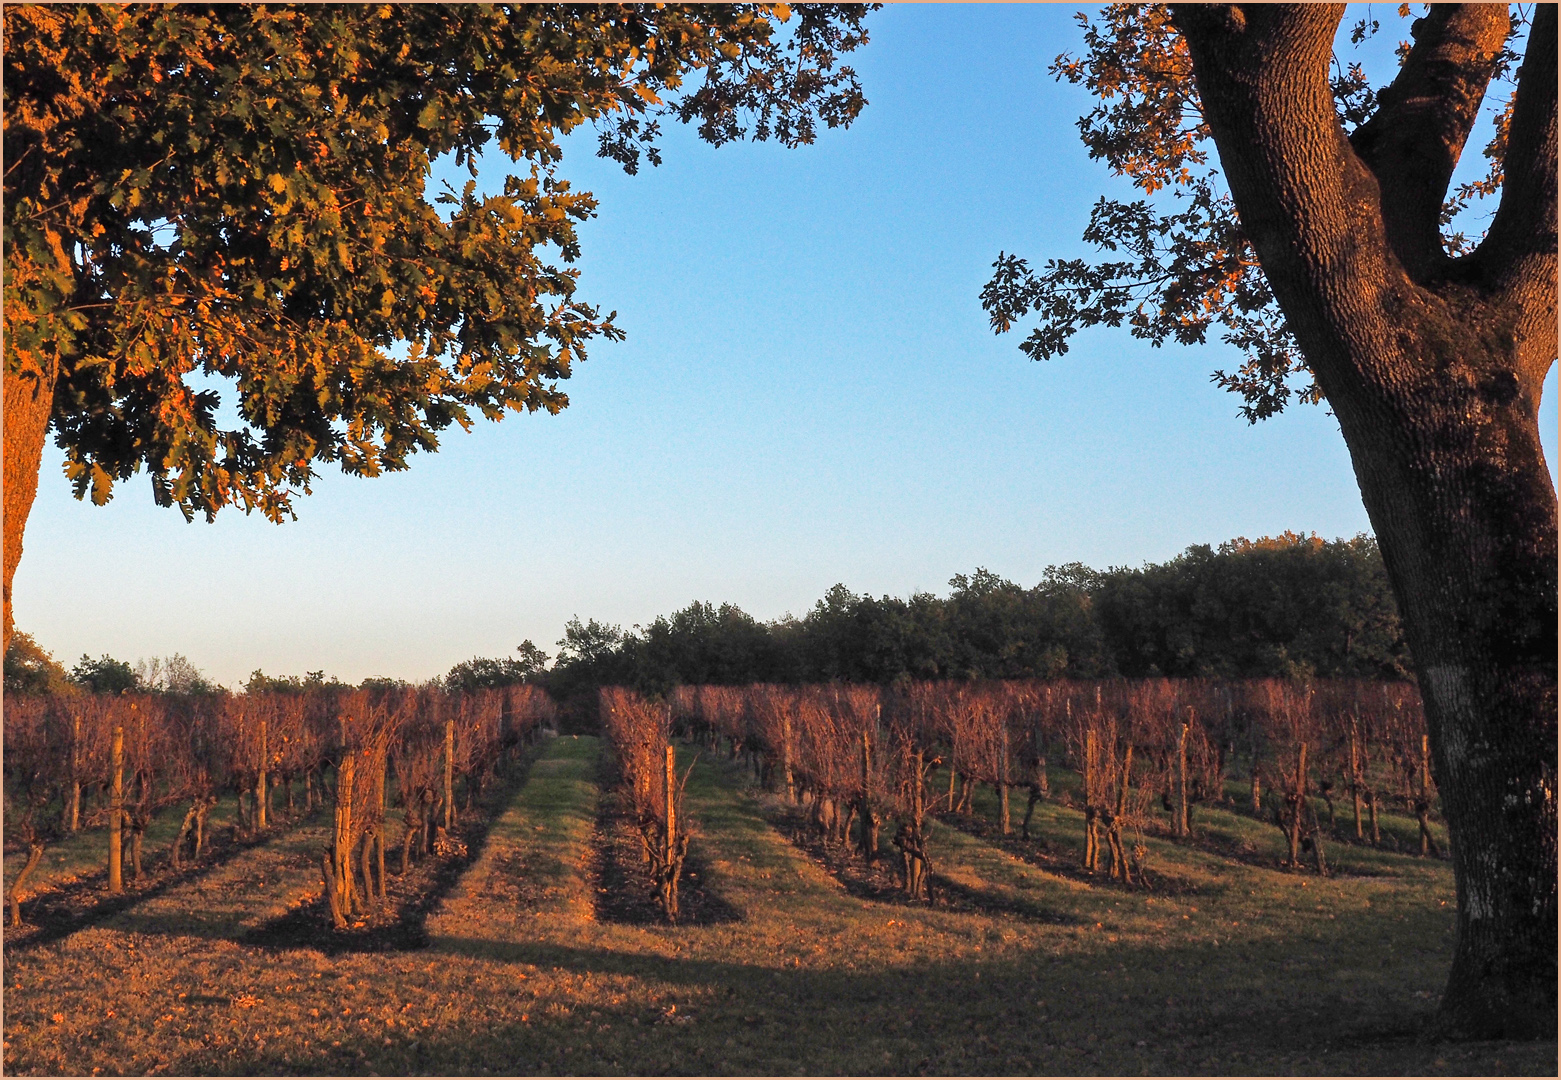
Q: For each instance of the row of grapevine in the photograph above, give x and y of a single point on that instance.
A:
(859, 756)
(83, 760)
(644, 761)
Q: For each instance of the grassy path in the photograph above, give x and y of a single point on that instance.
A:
(1257, 972)
(85, 852)
(240, 895)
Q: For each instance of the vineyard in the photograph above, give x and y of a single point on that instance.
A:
(77, 761)
(413, 880)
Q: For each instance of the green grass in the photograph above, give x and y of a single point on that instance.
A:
(1255, 971)
(85, 851)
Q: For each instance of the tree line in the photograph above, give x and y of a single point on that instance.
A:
(1292, 606)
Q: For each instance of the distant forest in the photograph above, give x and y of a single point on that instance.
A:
(1289, 606)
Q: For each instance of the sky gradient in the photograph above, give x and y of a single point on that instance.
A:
(809, 394)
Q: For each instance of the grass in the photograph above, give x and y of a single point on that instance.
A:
(1246, 970)
(85, 851)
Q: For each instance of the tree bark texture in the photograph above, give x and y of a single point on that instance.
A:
(1433, 366)
(28, 394)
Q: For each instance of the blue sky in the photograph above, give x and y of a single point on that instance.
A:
(809, 394)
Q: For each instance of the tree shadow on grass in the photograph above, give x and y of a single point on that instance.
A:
(1117, 1010)
(57, 914)
(399, 923)
(622, 889)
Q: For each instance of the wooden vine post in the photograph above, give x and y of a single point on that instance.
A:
(1005, 821)
(1091, 839)
(74, 809)
(379, 831)
(869, 832)
(339, 876)
(116, 811)
(260, 782)
(670, 854)
(1355, 775)
(791, 784)
(1180, 825)
(449, 775)
(1298, 800)
(671, 805)
(1119, 865)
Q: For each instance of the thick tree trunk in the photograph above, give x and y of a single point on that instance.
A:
(28, 392)
(1433, 367)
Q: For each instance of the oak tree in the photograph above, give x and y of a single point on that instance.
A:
(231, 200)
(1318, 245)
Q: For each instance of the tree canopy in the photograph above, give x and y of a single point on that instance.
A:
(1179, 262)
(239, 192)
(221, 263)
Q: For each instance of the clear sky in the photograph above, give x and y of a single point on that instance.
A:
(809, 394)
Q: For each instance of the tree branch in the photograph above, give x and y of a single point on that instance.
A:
(1517, 259)
(1413, 141)
(1309, 206)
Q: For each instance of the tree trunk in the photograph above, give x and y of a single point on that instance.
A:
(116, 811)
(1433, 367)
(28, 394)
